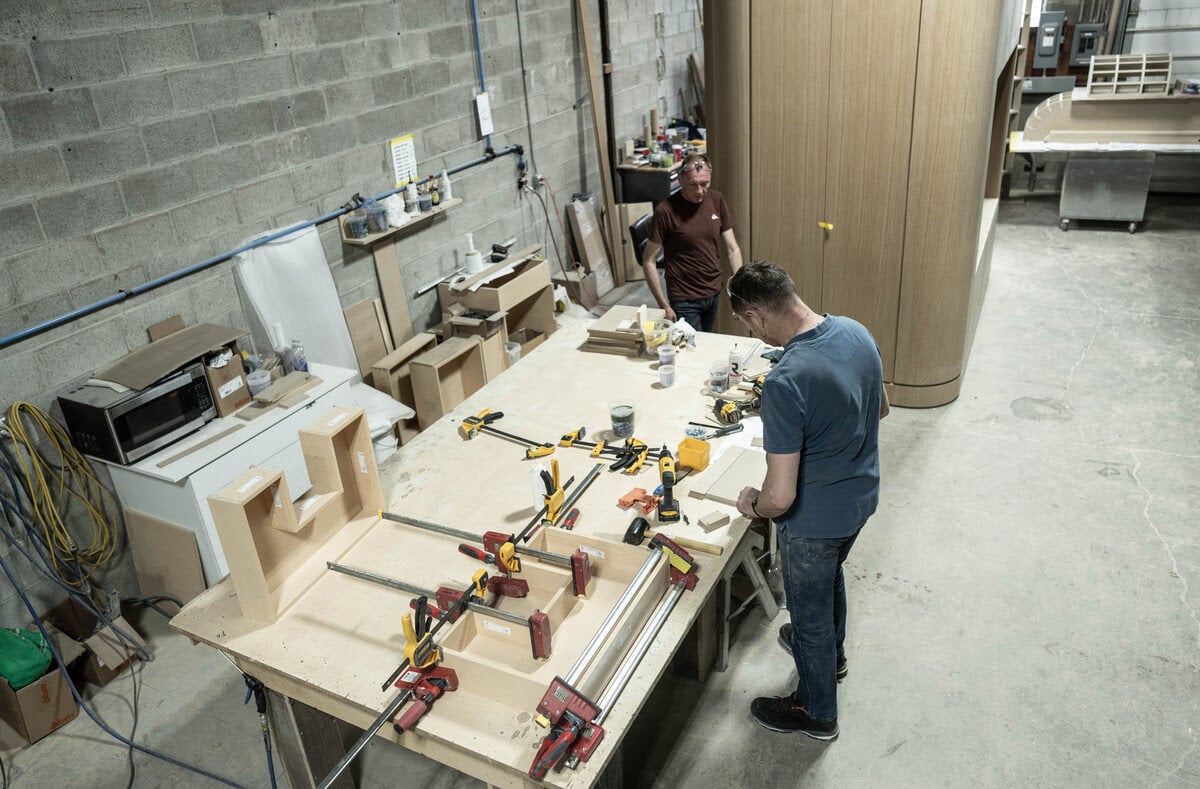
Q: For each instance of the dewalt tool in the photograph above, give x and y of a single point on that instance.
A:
(668, 507)
(482, 422)
(505, 584)
(419, 649)
(496, 545)
(732, 411)
(554, 496)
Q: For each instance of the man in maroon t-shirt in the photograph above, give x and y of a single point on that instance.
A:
(686, 226)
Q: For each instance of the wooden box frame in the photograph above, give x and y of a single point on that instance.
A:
(392, 375)
(277, 549)
(445, 376)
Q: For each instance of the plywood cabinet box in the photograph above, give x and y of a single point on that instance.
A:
(392, 375)
(871, 127)
(445, 376)
(525, 296)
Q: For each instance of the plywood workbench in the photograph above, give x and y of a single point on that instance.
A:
(332, 649)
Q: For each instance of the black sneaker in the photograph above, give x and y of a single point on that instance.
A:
(785, 638)
(782, 713)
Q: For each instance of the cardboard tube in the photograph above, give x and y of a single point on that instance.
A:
(653, 122)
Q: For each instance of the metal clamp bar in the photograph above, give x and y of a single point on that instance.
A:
(638, 650)
(575, 494)
(393, 583)
(430, 526)
(610, 622)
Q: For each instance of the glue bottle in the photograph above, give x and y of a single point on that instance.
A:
(735, 366)
(537, 486)
(412, 204)
(447, 193)
(474, 261)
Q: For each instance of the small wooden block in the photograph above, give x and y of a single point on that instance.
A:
(714, 520)
(756, 441)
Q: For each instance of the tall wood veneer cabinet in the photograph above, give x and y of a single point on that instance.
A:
(851, 139)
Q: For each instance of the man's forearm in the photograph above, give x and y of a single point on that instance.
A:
(656, 288)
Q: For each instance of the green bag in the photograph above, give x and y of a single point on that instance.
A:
(24, 656)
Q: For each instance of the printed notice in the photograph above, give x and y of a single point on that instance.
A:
(404, 159)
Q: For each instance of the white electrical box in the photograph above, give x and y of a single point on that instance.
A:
(483, 109)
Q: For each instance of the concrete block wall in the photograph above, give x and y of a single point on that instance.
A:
(141, 137)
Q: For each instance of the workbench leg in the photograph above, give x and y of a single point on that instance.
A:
(308, 742)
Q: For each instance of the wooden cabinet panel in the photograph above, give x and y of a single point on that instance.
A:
(955, 90)
(870, 123)
(789, 107)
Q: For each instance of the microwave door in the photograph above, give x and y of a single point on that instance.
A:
(157, 417)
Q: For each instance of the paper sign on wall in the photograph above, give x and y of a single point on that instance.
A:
(404, 159)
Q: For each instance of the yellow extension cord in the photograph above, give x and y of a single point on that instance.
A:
(50, 484)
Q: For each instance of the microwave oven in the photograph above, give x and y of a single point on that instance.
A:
(124, 427)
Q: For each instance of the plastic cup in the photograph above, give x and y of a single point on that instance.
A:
(666, 374)
(621, 413)
(718, 376)
(666, 354)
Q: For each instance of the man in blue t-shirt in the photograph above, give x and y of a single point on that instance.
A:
(821, 406)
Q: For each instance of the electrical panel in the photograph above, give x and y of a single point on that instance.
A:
(1087, 41)
(1049, 39)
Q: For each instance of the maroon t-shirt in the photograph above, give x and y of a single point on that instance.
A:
(689, 234)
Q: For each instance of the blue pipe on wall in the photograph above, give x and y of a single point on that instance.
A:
(122, 295)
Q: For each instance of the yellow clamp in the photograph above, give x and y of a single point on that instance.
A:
(541, 450)
(598, 449)
(506, 557)
(419, 653)
(471, 425)
(480, 579)
(825, 225)
(554, 499)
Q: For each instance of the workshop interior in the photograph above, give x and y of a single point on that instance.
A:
(348, 441)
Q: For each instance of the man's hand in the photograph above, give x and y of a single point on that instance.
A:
(745, 501)
(671, 316)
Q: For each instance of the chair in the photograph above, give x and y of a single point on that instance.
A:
(639, 234)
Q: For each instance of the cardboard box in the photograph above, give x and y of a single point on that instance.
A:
(581, 286)
(227, 383)
(107, 653)
(528, 339)
(45, 704)
(151, 362)
(488, 328)
(525, 295)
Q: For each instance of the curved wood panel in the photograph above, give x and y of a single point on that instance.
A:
(870, 122)
(924, 396)
(727, 110)
(955, 90)
(789, 121)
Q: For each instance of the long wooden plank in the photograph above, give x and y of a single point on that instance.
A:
(492, 270)
(596, 100)
(392, 291)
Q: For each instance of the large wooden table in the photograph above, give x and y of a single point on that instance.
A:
(334, 647)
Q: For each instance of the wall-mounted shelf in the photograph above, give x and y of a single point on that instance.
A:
(414, 223)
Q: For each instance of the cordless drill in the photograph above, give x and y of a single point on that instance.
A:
(668, 507)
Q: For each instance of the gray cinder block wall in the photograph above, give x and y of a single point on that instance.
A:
(143, 136)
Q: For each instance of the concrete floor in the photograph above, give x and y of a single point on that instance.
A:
(1023, 605)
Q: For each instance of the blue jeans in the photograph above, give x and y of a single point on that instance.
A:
(816, 601)
(701, 313)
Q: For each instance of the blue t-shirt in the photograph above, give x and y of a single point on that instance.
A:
(822, 399)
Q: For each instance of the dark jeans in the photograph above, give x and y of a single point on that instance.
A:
(816, 601)
(701, 313)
